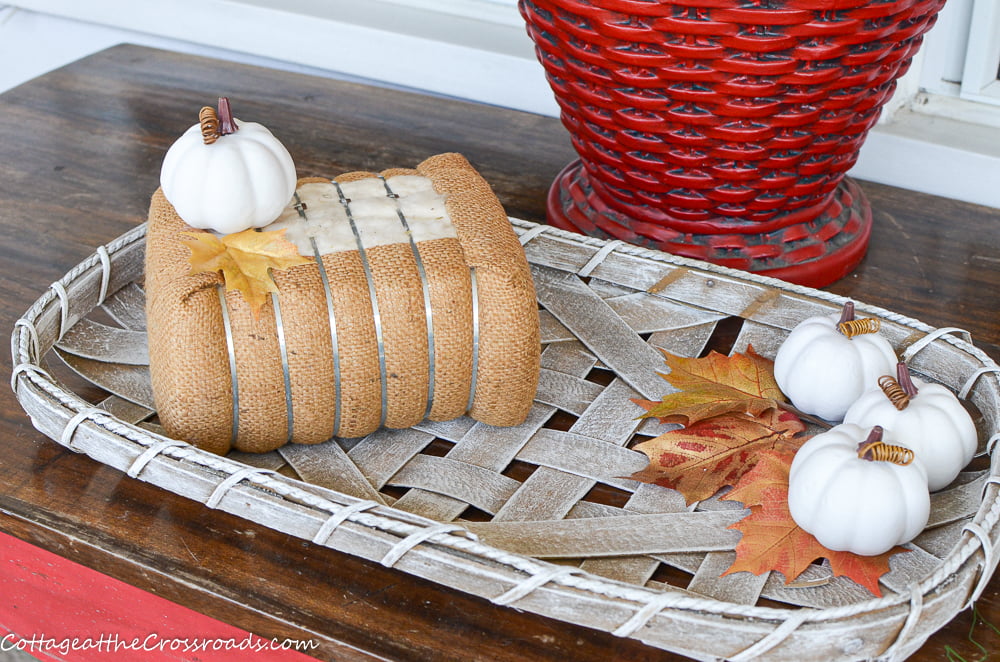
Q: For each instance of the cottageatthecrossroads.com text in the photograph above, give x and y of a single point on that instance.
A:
(112, 643)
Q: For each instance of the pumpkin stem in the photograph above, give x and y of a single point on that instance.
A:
(209, 124)
(873, 449)
(227, 124)
(904, 379)
(850, 326)
(847, 314)
(874, 437)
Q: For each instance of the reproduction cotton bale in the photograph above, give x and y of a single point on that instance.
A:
(421, 305)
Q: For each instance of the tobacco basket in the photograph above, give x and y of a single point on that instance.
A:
(477, 514)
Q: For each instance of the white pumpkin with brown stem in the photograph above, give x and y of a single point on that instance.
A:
(924, 417)
(227, 175)
(828, 361)
(854, 493)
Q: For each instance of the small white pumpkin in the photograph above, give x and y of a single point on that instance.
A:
(823, 371)
(931, 421)
(853, 504)
(243, 179)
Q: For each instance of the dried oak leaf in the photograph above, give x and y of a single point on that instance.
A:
(245, 260)
(714, 385)
(710, 454)
(773, 541)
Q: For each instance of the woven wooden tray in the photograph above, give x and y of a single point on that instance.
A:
(537, 516)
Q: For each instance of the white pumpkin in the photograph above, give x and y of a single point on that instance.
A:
(242, 180)
(853, 504)
(934, 424)
(822, 371)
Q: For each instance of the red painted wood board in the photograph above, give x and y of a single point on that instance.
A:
(55, 609)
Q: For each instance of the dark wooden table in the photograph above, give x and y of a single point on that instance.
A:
(80, 153)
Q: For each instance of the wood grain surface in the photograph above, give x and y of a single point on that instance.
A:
(80, 152)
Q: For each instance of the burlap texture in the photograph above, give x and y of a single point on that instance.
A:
(509, 338)
(189, 359)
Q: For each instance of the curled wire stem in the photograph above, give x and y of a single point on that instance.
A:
(857, 327)
(209, 125)
(894, 391)
(878, 451)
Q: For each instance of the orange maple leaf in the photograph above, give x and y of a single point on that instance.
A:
(710, 454)
(245, 260)
(715, 385)
(773, 541)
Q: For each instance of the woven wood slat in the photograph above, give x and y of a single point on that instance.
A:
(566, 392)
(909, 568)
(611, 536)
(638, 569)
(272, 460)
(130, 382)
(476, 486)
(127, 306)
(738, 588)
(940, 541)
(383, 453)
(331, 467)
(448, 430)
(483, 446)
(549, 492)
(125, 410)
(108, 344)
(584, 459)
(954, 503)
(596, 325)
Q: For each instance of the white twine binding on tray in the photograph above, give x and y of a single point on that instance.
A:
(102, 253)
(990, 559)
(60, 291)
(66, 438)
(991, 444)
(409, 542)
(910, 351)
(22, 368)
(29, 327)
(335, 520)
(531, 582)
(222, 488)
(598, 258)
(778, 635)
(963, 394)
(532, 233)
(141, 460)
(895, 651)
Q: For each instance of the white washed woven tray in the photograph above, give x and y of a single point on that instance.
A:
(537, 516)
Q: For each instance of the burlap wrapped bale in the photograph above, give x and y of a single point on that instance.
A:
(190, 361)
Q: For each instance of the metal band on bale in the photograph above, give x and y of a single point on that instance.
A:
(231, 349)
(376, 317)
(425, 286)
(328, 295)
(283, 350)
(475, 337)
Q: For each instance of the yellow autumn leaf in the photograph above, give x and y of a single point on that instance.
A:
(245, 259)
(715, 385)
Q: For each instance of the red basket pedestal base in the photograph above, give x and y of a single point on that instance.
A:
(813, 252)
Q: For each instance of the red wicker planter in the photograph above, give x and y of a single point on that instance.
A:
(722, 129)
